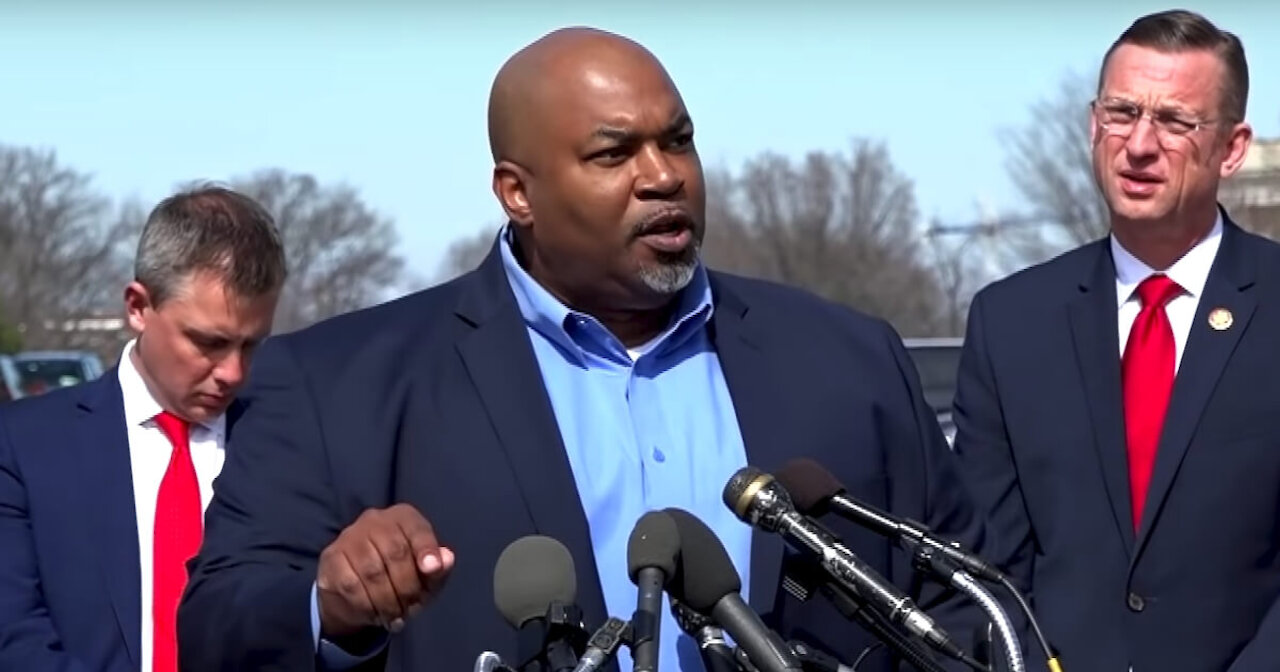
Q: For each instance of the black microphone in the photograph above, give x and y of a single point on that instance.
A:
(816, 491)
(717, 655)
(708, 583)
(534, 588)
(815, 660)
(758, 499)
(651, 562)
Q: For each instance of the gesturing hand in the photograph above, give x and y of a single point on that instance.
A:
(380, 570)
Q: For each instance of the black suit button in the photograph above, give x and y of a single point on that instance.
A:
(1136, 603)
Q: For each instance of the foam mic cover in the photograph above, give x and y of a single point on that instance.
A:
(707, 582)
(652, 550)
(654, 542)
(532, 573)
(706, 572)
(810, 485)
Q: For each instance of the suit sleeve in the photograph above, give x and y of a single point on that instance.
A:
(927, 487)
(987, 465)
(28, 639)
(248, 602)
(1262, 653)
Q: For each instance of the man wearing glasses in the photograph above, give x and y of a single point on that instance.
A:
(1118, 408)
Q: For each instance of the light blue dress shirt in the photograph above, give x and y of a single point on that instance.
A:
(644, 430)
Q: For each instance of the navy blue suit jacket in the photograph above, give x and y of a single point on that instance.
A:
(1040, 424)
(70, 590)
(436, 400)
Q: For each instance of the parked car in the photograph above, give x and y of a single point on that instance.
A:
(44, 370)
(938, 361)
(10, 381)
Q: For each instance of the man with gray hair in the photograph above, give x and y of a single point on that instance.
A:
(103, 486)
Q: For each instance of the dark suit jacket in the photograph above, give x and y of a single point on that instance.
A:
(69, 572)
(1041, 433)
(436, 399)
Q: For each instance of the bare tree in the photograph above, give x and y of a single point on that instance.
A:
(844, 227)
(341, 253)
(1050, 162)
(727, 244)
(10, 337)
(960, 264)
(63, 251)
(465, 254)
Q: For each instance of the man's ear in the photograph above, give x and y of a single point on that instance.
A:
(1237, 149)
(137, 305)
(510, 185)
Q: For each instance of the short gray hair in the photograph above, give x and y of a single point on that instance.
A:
(215, 230)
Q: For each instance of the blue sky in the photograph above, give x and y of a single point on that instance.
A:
(390, 96)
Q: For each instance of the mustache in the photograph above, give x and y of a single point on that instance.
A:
(664, 220)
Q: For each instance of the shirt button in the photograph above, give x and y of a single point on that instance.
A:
(658, 455)
(1136, 603)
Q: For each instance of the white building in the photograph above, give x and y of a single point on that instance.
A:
(1257, 184)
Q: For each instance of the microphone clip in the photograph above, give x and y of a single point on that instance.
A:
(813, 660)
(554, 642)
(610, 637)
(932, 561)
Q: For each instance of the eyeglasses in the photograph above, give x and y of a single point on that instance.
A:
(1120, 117)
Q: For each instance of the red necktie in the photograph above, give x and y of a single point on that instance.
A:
(179, 523)
(1147, 370)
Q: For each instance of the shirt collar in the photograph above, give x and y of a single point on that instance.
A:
(1191, 271)
(139, 406)
(553, 319)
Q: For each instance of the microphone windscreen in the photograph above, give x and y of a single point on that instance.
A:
(531, 573)
(654, 542)
(706, 573)
(810, 485)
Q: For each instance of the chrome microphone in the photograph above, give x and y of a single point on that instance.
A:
(816, 490)
(757, 499)
(489, 662)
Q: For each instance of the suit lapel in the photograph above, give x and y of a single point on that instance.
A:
(234, 411)
(1095, 332)
(1203, 360)
(103, 479)
(504, 370)
(500, 360)
(752, 381)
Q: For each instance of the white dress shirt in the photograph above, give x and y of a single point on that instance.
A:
(1191, 272)
(149, 453)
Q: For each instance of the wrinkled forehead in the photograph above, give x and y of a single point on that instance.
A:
(635, 94)
(1190, 80)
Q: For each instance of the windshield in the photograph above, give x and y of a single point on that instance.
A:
(39, 375)
(938, 367)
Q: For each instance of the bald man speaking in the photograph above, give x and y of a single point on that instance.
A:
(589, 370)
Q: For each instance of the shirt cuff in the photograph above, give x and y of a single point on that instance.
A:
(332, 657)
